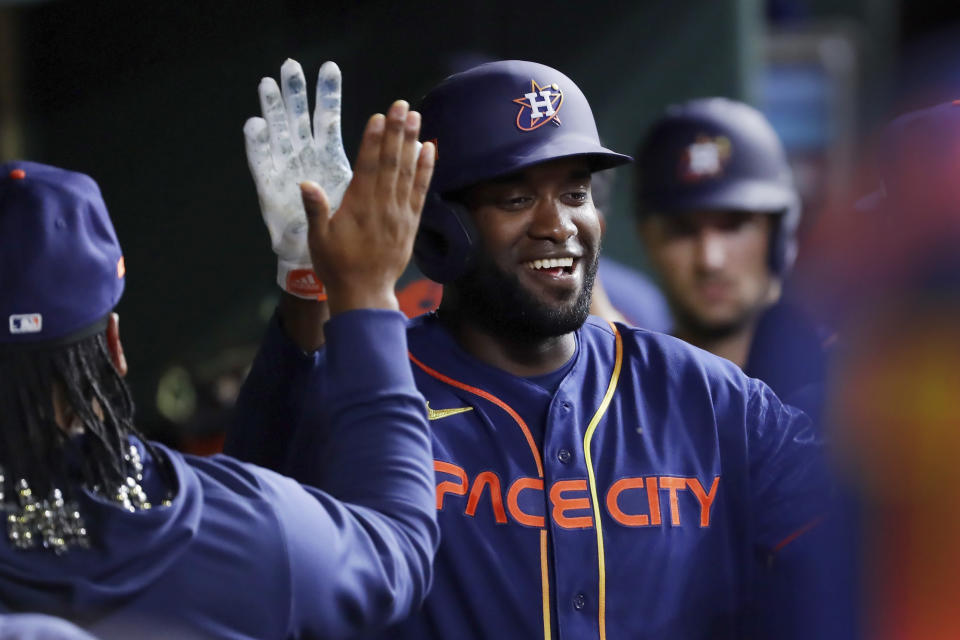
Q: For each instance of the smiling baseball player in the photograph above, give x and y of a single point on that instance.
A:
(592, 480)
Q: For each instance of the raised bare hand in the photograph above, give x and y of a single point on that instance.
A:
(361, 250)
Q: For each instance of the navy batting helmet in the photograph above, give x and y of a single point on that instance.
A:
(490, 121)
(716, 153)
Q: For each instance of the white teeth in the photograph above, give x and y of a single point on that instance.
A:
(551, 263)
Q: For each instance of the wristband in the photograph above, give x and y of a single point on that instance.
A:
(300, 281)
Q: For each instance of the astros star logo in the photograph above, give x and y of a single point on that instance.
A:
(706, 157)
(539, 107)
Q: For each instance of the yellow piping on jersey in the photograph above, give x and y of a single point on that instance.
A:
(545, 584)
(588, 436)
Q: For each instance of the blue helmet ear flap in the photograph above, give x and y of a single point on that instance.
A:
(445, 243)
(783, 244)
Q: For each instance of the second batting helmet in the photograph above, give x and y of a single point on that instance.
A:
(716, 153)
(490, 121)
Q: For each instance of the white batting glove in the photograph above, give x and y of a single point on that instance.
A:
(282, 153)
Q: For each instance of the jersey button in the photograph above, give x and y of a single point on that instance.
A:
(564, 456)
(579, 601)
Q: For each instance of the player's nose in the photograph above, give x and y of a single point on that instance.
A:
(711, 249)
(551, 221)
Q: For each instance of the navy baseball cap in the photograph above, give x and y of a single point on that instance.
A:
(501, 117)
(713, 153)
(61, 267)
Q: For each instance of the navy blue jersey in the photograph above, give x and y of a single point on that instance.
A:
(631, 503)
(242, 552)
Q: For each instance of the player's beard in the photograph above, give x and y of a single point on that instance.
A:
(497, 302)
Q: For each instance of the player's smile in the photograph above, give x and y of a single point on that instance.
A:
(562, 272)
(552, 265)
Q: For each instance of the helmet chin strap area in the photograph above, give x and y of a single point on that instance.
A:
(445, 244)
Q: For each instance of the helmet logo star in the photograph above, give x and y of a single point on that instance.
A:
(540, 106)
(705, 157)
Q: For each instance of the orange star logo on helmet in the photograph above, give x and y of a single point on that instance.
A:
(705, 157)
(540, 106)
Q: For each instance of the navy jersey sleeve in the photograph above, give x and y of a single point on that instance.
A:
(789, 479)
(363, 560)
(806, 585)
(270, 402)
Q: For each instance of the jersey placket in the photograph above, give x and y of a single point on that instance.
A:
(570, 522)
(571, 502)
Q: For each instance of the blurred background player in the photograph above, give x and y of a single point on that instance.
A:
(131, 539)
(718, 213)
(717, 216)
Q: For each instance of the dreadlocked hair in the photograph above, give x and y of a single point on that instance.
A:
(96, 399)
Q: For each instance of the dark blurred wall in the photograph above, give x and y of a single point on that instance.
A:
(150, 98)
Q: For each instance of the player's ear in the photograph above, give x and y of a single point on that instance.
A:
(114, 346)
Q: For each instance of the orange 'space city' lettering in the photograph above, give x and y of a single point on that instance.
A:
(568, 501)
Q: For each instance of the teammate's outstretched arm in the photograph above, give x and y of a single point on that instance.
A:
(370, 449)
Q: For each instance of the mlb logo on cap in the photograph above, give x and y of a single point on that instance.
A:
(26, 323)
(61, 267)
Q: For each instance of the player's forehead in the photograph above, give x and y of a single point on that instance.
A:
(704, 217)
(559, 170)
